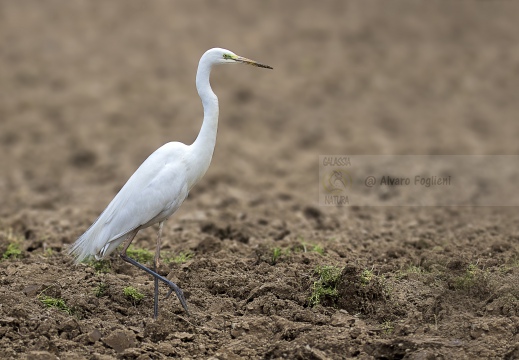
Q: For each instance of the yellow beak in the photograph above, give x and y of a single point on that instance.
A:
(251, 62)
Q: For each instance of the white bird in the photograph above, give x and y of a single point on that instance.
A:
(160, 185)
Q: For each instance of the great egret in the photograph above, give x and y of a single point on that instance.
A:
(160, 185)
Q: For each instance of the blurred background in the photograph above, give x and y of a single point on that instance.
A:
(90, 89)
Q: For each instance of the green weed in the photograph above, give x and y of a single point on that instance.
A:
(474, 280)
(326, 285)
(366, 277)
(140, 255)
(411, 269)
(100, 289)
(133, 295)
(182, 257)
(276, 253)
(387, 327)
(13, 251)
(56, 303)
(467, 280)
(510, 265)
(100, 266)
(307, 247)
(318, 249)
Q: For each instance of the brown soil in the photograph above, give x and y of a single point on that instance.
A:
(90, 89)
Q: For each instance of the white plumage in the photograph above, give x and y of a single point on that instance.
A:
(142, 202)
(161, 184)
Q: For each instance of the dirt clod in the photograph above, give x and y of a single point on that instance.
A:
(120, 340)
(94, 336)
(41, 355)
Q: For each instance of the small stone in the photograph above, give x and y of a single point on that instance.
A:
(69, 325)
(342, 319)
(7, 320)
(166, 348)
(131, 353)
(32, 290)
(41, 355)
(120, 340)
(11, 270)
(355, 332)
(184, 336)
(94, 335)
(476, 333)
(236, 333)
(69, 355)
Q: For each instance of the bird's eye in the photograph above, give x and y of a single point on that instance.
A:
(227, 56)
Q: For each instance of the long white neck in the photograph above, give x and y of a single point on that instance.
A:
(203, 147)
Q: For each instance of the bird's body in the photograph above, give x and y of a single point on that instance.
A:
(161, 184)
(151, 195)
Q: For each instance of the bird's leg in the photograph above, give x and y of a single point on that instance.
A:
(156, 268)
(172, 285)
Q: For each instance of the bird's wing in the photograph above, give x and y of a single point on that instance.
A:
(157, 187)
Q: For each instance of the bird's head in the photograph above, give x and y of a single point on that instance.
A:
(223, 56)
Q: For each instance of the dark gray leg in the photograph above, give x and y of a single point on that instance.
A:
(156, 267)
(157, 277)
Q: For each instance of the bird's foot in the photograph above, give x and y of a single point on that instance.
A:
(180, 294)
(172, 285)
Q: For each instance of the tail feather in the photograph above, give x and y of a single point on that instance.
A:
(84, 247)
(90, 243)
(77, 250)
(98, 241)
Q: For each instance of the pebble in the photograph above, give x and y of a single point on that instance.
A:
(120, 340)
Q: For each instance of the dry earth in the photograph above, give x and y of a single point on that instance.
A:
(90, 89)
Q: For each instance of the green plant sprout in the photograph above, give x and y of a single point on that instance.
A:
(13, 251)
(140, 255)
(133, 295)
(307, 247)
(183, 257)
(387, 327)
(318, 249)
(100, 266)
(326, 285)
(366, 276)
(276, 253)
(468, 279)
(55, 303)
(100, 289)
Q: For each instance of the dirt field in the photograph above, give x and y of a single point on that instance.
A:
(90, 89)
